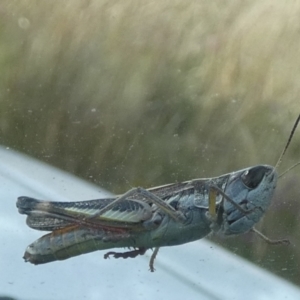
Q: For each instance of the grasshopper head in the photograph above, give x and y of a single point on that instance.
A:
(252, 189)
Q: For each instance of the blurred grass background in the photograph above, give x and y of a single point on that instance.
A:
(133, 93)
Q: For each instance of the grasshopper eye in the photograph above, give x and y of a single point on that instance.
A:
(253, 177)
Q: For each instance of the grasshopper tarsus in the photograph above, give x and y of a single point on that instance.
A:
(270, 241)
(152, 258)
(127, 254)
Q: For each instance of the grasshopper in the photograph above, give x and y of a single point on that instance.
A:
(143, 219)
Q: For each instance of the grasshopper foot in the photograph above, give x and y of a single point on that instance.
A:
(269, 241)
(153, 256)
(127, 254)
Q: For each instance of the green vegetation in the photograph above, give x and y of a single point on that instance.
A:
(131, 93)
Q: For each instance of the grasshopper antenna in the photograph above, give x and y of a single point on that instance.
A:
(287, 145)
(289, 169)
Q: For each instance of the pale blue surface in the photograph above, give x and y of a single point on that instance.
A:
(198, 270)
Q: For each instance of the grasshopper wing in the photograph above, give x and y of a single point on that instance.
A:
(49, 216)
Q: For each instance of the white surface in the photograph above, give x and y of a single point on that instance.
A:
(198, 270)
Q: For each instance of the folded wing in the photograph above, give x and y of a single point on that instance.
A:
(49, 216)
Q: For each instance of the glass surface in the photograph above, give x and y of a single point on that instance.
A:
(126, 94)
